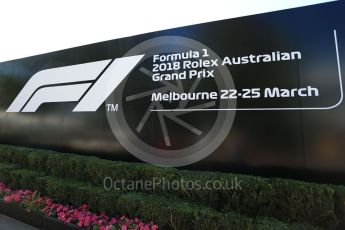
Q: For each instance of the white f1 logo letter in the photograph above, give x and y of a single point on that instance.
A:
(70, 83)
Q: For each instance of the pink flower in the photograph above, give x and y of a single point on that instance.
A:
(84, 207)
(94, 218)
(7, 199)
(48, 202)
(87, 221)
(3, 188)
(17, 197)
(80, 223)
(62, 216)
(67, 214)
(105, 227)
(39, 200)
(69, 220)
(113, 221)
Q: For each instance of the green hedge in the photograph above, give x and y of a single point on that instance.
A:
(168, 213)
(286, 200)
(339, 200)
(5, 170)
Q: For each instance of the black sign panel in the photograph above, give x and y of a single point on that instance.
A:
(261, 94)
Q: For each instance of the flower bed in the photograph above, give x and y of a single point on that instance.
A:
(283, 199)
(262, 203)
(82, 217)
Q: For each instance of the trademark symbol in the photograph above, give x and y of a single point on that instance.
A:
(112, 107)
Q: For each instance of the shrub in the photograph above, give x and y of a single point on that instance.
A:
(298, 201)
(24, 178)
(37, 159)
(5, 169)
(268, 223)
(339, 201)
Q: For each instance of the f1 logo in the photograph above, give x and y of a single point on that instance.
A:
(89, 83)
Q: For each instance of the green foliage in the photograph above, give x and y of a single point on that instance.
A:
(37, 159)
(6, 153)
(81, 180)
(339, 201)
(168, 213)
(5, 169)
(266, 223)
(24, 178)
(32, 203)
(295, 201)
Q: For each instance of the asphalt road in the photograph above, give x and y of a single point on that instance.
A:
(7, 223)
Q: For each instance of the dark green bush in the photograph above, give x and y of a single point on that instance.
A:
(24, 178)
(298, 201)
(66, 165)
(339, 201)
(5, 170)
(265, 223)
(78, 193)
(253, 197)
(37, 159)
(6, 153)
(18, 155)
(176, 214)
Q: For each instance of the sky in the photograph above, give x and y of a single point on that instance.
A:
(39, 26)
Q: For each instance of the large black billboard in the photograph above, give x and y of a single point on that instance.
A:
(261, 94)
